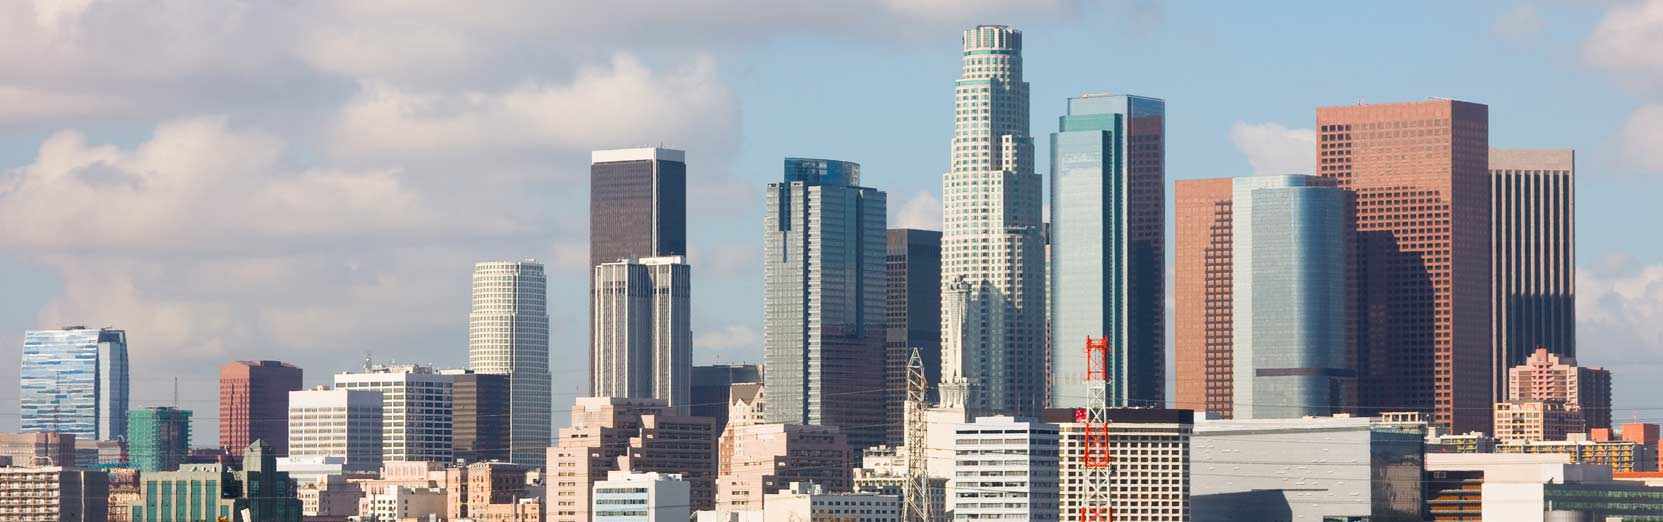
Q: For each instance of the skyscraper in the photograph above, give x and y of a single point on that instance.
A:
(637, 204)
(479, 415)
(158, 438)
(992, 245)
(913, 308)
(1201, 295)
(1420, 171)
(254, 404)
(1532, 203)
(643, 337)
(416, 409)
(711, 389)
(345, 424)
(74, 380)
(1107, 247)
(1289, 282)
(508, 334)
(823, 299)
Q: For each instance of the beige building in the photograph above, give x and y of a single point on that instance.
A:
(1619, 455)
(124, 492)
(1149, 450)
(764, 458)
(609, 433)
(498, 487)
(396, 502)
(1548, 377)
(38, 449)
(329, 498)
(810, 502)
(1530, 421)
(53, 494)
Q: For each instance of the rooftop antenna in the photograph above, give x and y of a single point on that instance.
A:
(176, 392)
(368, 362)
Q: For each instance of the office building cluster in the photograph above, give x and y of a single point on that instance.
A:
(1389, 337)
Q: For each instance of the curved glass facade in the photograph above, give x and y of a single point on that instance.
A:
(74, 381)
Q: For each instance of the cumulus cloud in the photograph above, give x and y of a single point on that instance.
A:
(922, 210)
(728, 342)
(1275, 149)
(1629, 41)
(1642, 137)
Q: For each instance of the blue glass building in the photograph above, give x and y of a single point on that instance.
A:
(74, 381)
(1289, 273)
(1107, 247)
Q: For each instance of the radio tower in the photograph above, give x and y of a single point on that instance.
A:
(1095, 442)
(916, 493)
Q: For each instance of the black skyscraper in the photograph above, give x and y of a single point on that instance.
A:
(914, 318)
(637, 204)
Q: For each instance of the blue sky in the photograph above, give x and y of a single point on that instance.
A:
(312, 182)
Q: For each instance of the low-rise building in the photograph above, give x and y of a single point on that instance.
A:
(257, 493)
(810, 502)
(1149, 449)
(53, 494)
(38, 449)
(124, 492)
(395, 503)
(481, 487)
(759, 459)
(609, 433)
(1618, 455)
(1305, 469)
(642, 497)
(1469, 442)
(330, 498)
(1521, 487)
(1541, 420)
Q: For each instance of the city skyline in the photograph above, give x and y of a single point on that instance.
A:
(61, 297)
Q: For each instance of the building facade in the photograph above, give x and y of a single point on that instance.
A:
(254, 403)
(342, 424)
(1202, 267)
(711, 389)
(1108, 260)
(1149, 449)
(53, 494)
(637, 204)
(992, 245)
(415, 409)
(38, 449)
(74, 380)
(641, 497)
(913, 309)
(1533, 257)
(1006, 468)
(1534, 421)
(642, 330)
(1290, 277)
(823, 299)
(508, 334)
(1618, 455)
(197, 492)
(759, 459)
(807, 501)
(1548, 377)
(1305, 469)
(637, 435)
(158, 438)
(1420, 174)
(479, 415)
(474, 490)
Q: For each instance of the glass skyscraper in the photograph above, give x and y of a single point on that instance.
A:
(1107, 251)
(74, 380)
(1289, 300)
(823, 299)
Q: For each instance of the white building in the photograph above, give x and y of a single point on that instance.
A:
(396, 503)
(1533, 487)
(415, 409)
(992, 245)
(1005, 468)
(643, 330)
(1304, 469)
(641, 497)
(808, 502)
(339, 424)
(1149, 450)
(508, 334)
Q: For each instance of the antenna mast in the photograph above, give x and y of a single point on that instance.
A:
(916, 492)
(1095, 439)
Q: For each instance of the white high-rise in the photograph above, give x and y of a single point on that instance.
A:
(993, 258)
(1006, 468)
(416, 409)
(508, 334)
(643, 334)
(343, 424)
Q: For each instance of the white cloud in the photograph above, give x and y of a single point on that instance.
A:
(922, 210)
(727, 343)
(1629, 41)
(1643, 137)
(1274, 149)
(1619, 308)
(1519, 24)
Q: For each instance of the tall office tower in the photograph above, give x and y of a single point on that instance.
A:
(479, 416)
(992, 247)
(1007, 469)
(712, 385)
(1548, 377)
(913, 320)
(1533, 261)
(508, 334)
(823, 299)
(1420, 171)
(637, 204)
(1201, 296)
(74, 380)
(1108, 252)
(254, 404)
(1291, 254)
(159, 438)
(345, 424)
(416, 409)
(643, 335)
(1150, 449)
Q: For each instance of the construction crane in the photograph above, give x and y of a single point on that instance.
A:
(1095, 458)
(916, 491)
